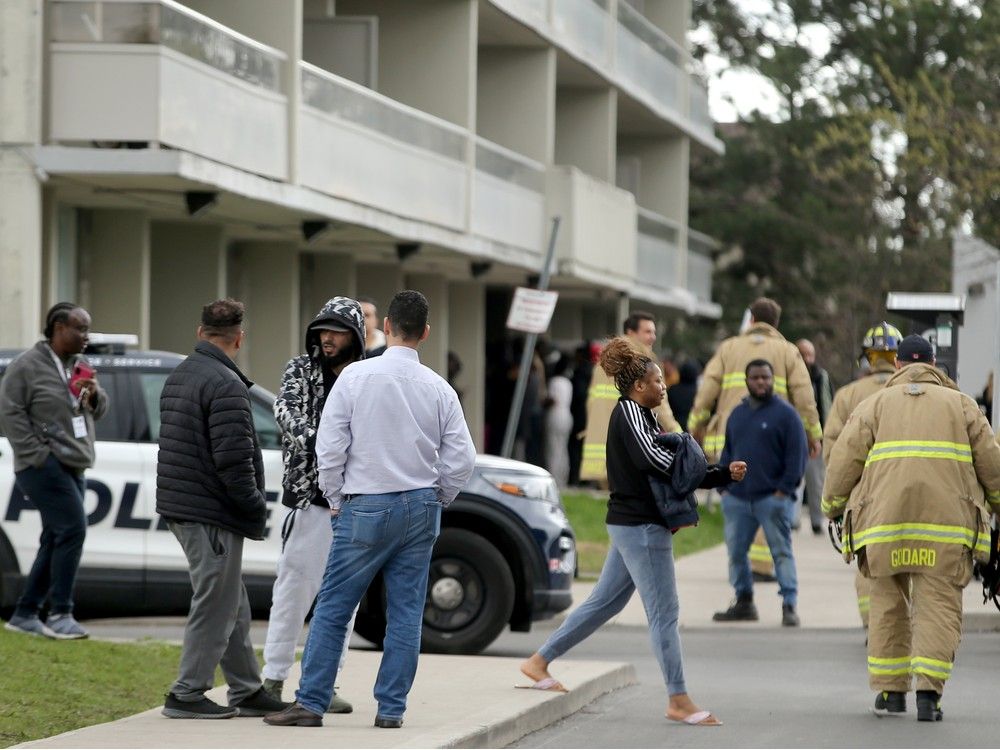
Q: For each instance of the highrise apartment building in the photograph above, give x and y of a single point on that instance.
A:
(155, 155)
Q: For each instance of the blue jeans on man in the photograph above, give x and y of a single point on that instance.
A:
(742, 519)
(394, 534)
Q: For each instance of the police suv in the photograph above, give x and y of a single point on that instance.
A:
(506, 554)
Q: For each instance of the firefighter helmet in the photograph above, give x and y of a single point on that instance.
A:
(881, 338)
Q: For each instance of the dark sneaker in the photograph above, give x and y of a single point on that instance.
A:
(740, 609)
(274, 688)
(294, 716)
(203, 708)
(29, 626)
(66, 627)
(386, 723)
(788, 617)
(259, 704)
(339, 706)
(890, 703)
(929, 706)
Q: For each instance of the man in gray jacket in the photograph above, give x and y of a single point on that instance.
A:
(49, 399)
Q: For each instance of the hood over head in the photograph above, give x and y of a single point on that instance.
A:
(338, 314)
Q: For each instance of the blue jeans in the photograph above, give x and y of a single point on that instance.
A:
(640, 557)
(57, 492)
(742, 519)
(393, 533)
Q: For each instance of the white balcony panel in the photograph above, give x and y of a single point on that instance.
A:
(700, 264)
(531, 12)
(583, 27)
(648, 59)
(141, 92)
(362, 146)
(508, 197)
(597, 236)
(657, 250)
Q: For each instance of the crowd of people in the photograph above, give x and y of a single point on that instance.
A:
(905, 466)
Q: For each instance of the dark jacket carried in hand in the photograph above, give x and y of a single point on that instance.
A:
(300, 401)
(633, 455)
(209, 468)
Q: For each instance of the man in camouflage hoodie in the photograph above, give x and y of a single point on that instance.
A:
(334, 339)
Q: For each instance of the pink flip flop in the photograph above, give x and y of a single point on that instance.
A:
(549, 683)
(699, 719)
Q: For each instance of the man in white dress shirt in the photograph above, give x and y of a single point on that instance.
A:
(393, 449)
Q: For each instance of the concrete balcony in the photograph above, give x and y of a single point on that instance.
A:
(156, 72)
(365, 147)
(649, 60)
(597, 236)
(584, 28)
(700, 265)
(658, 252)
(508, 197)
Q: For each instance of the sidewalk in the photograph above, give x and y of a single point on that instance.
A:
(826, 591)
(457, 701)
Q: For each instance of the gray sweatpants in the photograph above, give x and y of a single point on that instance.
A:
(218, 626)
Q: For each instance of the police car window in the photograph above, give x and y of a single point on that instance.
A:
(151, 386)
(267, 428)
(115, 424)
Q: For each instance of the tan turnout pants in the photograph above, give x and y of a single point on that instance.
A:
(915, 624)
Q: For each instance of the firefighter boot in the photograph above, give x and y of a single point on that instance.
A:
(742, 608)
(890, 703)
(928, 706)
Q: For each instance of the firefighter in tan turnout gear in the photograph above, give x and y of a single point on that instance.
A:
(914, 474)
(879, 347)
(603, 397)
(723, 386)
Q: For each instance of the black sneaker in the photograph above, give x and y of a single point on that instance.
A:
(890, 703)
(203, 708)
(788, 617)
(259, 704)
(741, 609)
(929, 706)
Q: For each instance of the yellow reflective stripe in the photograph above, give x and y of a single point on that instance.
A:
(697, 417)
(931, 667)
(714, 443)
(603, 391)
(594, 450)
(813, 430)
(894, 666)
(918, 532)
(760, 553)
(943, 449)
(864, 604)
(780, 385)
(833, 503)
(993, 496)
(677, 429)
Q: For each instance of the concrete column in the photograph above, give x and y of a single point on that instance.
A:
(20, 189)
(434, 351)
(426, 53)
(586, 124)
(265, 277)
(664, 164)
(324, 275)
(115, 270)
(467, 333)
(380, 281)
(188, 266)
(515, 99)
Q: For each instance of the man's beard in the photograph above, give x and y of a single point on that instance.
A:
(344, 356)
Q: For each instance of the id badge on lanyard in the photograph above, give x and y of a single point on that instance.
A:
(79, 421)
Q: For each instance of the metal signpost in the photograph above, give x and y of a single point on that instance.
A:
(529, 349)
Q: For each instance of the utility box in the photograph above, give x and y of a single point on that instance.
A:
(936, 317)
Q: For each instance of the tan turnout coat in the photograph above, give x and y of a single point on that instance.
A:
(915, 473)
(847, 399)
(723, 384)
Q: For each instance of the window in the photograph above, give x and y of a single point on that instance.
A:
(263, 420)
(151, 385)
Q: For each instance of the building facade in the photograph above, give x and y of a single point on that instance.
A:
(155, 155)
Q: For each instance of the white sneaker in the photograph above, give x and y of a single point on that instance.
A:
(29, 626)
(65, 627)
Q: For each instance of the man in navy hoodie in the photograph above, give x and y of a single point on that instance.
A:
(767, 433)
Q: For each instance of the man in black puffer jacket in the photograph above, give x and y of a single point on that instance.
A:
(210, 488)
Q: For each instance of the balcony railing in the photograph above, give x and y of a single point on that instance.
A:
(585, 26)
(508, 197)
(699, 111)
(700, 264)
(172, 25)
(657, 250)
(648, 57)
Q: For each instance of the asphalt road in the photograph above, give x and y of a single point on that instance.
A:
(773, 688)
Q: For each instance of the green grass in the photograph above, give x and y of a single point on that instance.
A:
(586, 511)
(51, 687)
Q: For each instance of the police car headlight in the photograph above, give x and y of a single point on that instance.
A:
(525, 485)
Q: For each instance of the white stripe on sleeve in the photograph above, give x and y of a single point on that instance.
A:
(658, 456)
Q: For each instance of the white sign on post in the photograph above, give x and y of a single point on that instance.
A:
(531, 310)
